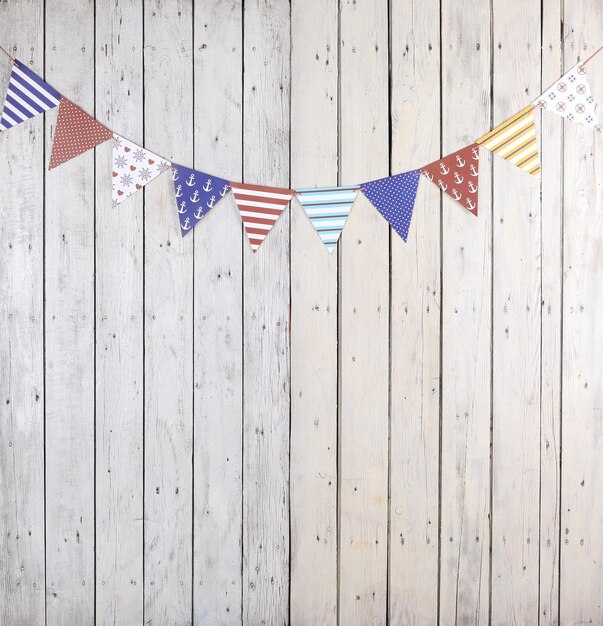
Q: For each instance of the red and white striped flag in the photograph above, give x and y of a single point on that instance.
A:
(260, 207)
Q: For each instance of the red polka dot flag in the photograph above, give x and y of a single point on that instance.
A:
(76, 132)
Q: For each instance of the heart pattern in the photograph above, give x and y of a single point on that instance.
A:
(133, 167)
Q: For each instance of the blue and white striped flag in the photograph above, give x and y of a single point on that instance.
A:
(328, 209)
(27, 95)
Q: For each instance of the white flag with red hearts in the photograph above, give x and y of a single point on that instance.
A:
(133, 167)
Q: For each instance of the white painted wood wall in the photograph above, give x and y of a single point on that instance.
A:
(397, 434)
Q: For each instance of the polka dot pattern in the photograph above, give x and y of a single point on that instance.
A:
(75, 133)
(394, 197)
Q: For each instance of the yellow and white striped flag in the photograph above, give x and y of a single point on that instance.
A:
(515, 140)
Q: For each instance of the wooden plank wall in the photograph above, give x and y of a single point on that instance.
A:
(397, 433)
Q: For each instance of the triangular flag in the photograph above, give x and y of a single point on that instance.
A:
(196, 195)
(328, 209)
(76, 132)
(27, 95)
(515, 141)
(571, 98)
(394, 197)
(457, 175)
(133, 167)
(260, 207)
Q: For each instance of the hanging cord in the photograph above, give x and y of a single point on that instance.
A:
(7, 54)
(590, 57)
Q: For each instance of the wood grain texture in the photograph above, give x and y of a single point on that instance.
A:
(415, 321)
(266, 315)
(552, 279)
(119, 327)
(516, 262)
(466, 326)
(314, 365)
(582, 400)
(69, 236)
(168, 268)
(22, 575)
(218, 319)
(192, 433)
(364, 320)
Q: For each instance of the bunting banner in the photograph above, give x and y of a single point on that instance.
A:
(457, 175)
(196, 195)
(328, 209)
(515, 141)
(260, 207)
(133, 167)
(571, 98)
(27, 95)
(76, 132)
(394, 197)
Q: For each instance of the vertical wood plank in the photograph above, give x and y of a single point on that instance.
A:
(364, 318)
(314, 96)
(466, 325)
(168, 270)
(218, 55)
(22, 599)
(415, 321)
(550, 385)
(582, 417)
(70, 330)
(119, 324)
(516, 330)
(266, 296)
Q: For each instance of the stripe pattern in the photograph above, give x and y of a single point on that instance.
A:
(27, 95)
(260, 207)
(328, 209)
(515, 141)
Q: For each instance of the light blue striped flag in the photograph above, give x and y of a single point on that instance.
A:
(27, 95)
(328, 209)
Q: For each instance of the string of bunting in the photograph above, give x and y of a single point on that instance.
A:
(197, 193)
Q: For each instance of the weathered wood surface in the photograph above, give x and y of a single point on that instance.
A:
(70, 329)
(218, 322)
(516, 327)
(415, 322)
(22, 416)
(396, 433)
(314, 312)
(466, 326)
(119, 328)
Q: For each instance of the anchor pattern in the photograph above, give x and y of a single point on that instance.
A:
(457, 175)
(76, 132)
(197, 193)
(27, 95)
(394, 197)
(133, 167)
(571, 98)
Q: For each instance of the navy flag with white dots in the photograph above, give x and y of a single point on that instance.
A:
(394, 197)
(196, 195)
